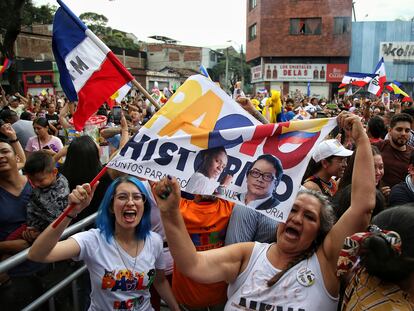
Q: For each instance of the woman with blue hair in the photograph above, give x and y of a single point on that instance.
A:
(123, 256)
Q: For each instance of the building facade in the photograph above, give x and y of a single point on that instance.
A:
(161, 55)
(294, 45)
(393, 40)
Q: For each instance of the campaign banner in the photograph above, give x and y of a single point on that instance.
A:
(214, 147)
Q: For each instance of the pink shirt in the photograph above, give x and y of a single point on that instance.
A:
(54, 144)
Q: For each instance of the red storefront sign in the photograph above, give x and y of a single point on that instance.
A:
(335, 72)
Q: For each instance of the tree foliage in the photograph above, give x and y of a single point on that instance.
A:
(38, 15)
(234, 69)
(16, 13)
(98, 24)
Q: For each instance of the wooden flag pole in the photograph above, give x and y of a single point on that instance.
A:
(146, 94)
(70, 207)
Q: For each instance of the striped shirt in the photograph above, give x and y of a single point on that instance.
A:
(247, 225)
(366, 292)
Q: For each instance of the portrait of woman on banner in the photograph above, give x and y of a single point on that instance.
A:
(205, 179)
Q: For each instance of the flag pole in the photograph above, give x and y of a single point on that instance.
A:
(357, 91)
(146, 94)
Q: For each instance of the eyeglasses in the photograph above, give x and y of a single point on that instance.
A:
(266, 176)
(125, 197)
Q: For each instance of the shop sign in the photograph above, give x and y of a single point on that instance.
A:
(397, 52)
(335, 72)
(295, 72)
(256, 73)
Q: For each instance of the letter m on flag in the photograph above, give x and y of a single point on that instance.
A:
(89, 72)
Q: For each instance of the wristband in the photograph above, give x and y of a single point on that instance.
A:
(13, 141)
(71, 217)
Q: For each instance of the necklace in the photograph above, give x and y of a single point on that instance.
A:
(120, 256)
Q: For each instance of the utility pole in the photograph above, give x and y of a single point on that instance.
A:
(242, 66)
(353, 10)
(226, 88)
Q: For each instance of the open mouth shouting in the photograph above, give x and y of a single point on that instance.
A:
(292, 233)
(129, 215)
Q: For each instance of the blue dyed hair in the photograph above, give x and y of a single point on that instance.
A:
(105, 220)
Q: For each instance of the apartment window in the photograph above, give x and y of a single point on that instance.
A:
(342, 25)
(305, 26)
(252, 4)
(252, 32)
(212, 56)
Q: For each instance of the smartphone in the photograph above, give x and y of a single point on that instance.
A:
(116, 114)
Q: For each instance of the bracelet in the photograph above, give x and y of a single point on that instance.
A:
(71, 217)
(13, 141)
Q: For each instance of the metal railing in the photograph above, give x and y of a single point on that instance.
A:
(19, 258)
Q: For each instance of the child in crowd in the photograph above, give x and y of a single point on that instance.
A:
(49, 196)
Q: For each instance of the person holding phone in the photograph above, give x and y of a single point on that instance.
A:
(116, 114)
(43, 139)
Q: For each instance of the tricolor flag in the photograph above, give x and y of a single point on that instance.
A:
(395, 87)
(89, 72)
(6, 65)
(356, 78)
(342, 90)
(204, 71)
(376, 86)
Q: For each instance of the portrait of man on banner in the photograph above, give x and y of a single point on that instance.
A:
(262, 179)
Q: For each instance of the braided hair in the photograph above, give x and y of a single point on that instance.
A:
(327, 220)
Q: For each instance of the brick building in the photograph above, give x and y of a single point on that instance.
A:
(291, 43)
(161, 55)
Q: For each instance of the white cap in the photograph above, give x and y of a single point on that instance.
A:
(330, 147)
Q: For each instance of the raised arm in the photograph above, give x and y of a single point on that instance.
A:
(62, 117)
(358, 215)
(47, 247)
(222, 264)
(7, 130)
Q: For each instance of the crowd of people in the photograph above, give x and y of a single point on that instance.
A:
(346, 244)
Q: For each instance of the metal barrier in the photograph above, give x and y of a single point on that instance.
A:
(17, 259)
(61, 285)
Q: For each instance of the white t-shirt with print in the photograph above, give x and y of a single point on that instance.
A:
(113, 285)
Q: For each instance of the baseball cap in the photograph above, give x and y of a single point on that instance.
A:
(330, 147)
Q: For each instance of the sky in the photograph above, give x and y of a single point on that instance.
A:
(208, 23)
